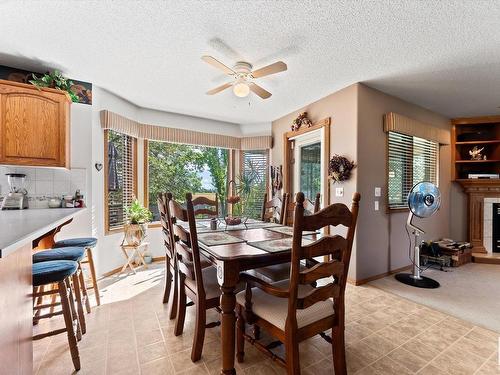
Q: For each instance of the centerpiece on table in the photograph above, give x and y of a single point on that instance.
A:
(235, 217)
(243, 190)
(137, 223)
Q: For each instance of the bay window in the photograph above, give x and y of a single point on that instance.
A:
(182, 168)
(120, 177)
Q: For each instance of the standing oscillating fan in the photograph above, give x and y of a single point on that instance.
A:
(424, 200)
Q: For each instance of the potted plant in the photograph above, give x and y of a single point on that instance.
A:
(55, 80)
(138, 219)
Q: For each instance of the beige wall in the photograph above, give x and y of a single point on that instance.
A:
(382, 243)
(357, 113)
(341, 107)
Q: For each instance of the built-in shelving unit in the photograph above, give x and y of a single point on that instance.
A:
(483, 132)
(467, 133)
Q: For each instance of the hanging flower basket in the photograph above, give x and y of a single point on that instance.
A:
(339, 168)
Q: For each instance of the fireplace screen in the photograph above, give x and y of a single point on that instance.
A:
(496, 228)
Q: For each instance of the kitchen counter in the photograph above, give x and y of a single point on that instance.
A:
(18, 227)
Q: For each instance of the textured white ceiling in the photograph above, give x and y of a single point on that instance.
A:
(443, 55)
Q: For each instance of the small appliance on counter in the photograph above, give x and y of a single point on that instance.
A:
(17, 198)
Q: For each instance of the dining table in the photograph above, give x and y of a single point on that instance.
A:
(235, 249)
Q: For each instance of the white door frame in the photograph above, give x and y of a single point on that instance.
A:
(300, 141)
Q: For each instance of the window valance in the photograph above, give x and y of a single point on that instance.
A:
(116, 122)
(402, 124)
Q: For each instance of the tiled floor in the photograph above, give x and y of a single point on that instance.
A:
(131, 334)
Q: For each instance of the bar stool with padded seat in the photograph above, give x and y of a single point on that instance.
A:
(75, 254)
(88, 243)
(58, 272)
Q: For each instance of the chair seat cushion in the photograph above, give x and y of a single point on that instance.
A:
(77, 242)
(210, 283)
(212, 288)
(275, 310)
(75, 254)
(52, 271)
(277, 272)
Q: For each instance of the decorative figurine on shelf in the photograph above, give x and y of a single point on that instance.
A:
(475, 153)
(276, 178)
(339, 168)
(301, 120)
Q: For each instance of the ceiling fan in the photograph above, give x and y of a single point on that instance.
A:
(243, 77)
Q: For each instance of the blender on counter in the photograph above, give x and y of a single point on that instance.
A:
(17, 198)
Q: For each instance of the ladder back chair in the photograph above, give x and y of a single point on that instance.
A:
(204, 206)
(274, 210)
(310, 208)
(198, 283)
(171, 277)
(280, 272)
(293, 311)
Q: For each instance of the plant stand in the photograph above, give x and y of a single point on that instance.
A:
(132, 252)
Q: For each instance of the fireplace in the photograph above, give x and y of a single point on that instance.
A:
(495, 245)
(482, 194)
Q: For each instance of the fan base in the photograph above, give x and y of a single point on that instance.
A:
(422, 282)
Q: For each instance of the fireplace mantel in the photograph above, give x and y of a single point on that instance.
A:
(476, 191)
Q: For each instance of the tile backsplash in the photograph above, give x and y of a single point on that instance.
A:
(44, 183)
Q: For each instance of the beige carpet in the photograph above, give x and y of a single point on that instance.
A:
(470, 292)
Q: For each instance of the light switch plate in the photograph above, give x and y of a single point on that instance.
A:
(339, 192)
(378, 192)
(376, 206)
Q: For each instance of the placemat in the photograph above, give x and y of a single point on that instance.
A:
(218, 238)
(252, 225)
(276, 246)
(185, 225)
(261, 224)
(289, 230)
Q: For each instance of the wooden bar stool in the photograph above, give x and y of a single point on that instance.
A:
(74, 254)
(88, 243)
(59, 273)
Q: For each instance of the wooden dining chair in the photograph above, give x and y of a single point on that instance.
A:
(204, 206)
(280, 272)
(293, 310)
(310, 207)
(171, 278)
(195, 282)
(274, 210)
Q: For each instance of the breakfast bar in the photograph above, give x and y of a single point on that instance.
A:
(18, 230)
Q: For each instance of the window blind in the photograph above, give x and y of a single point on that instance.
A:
(410, 160)
(254, 170)
(120, 179)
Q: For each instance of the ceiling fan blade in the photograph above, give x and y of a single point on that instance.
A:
(217, 64)
(220, 88)
(277, 67)
(264, 94)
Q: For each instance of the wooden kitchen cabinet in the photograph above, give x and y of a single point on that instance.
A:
(34, 126)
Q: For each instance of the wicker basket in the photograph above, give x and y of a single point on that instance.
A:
(134, 234)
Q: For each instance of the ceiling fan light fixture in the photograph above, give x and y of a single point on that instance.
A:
(241, 89)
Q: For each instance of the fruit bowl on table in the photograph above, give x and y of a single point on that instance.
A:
(235, 220)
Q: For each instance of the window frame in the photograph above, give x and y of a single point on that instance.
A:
(107, 230)
(153, 224)
(230, 173)
(241, 166)
(390, 210)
